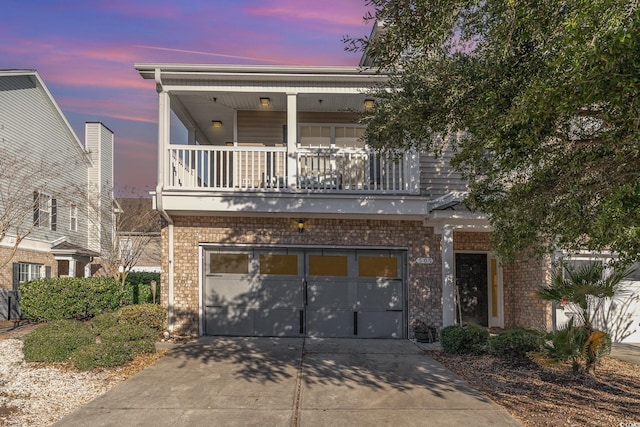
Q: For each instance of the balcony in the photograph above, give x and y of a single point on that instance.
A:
(275, 169)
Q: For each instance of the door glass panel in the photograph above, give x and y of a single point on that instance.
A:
(228, 263)
(279, 264)
(328, 265)
(494, 287)
(375, 266)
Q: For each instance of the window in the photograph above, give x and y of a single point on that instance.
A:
(331, 135)
(44, 211)
(73, 218)
(28, 272)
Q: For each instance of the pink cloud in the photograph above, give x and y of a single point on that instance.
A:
(332, 12)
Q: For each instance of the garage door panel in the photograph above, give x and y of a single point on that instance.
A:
(335, 294)
(382, 294)
(222, 290)
(330, 323)
(380, 324)
(279, 323)
(274, 294)
(229, 320)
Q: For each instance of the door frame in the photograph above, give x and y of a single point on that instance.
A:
(494, 285)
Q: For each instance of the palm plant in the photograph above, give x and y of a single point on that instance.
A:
(579, 286)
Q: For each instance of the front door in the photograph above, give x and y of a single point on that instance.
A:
(472, 288)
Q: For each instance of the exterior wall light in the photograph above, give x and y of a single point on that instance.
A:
(216, 124)
(265, 102)
(368, 104)
(301, 226)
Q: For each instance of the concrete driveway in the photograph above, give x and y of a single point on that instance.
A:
(292, 382)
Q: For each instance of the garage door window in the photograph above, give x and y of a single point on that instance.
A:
(373, 266)
(328, 265)
(228, 263)
(284, 265)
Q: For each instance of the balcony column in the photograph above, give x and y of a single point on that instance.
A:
(448, 271)
(292, 139)
(164, 165)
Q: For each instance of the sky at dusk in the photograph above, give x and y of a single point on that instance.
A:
(84, 50)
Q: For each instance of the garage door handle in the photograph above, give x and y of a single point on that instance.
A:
(305, 292)
(389, 309)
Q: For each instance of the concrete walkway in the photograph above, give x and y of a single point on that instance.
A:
(292, 382)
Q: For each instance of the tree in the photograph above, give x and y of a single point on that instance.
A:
(22, 174)
(581, 287)
(540, 101)
(126, 226)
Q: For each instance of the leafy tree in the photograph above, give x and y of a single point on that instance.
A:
(540, 101)
(579, 342)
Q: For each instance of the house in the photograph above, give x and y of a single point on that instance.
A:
(138, 230)
(280, 221)
(47, 178)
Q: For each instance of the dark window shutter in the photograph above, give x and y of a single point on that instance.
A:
(36, 209)
(47, 271)
(54, 213)
(16, 275)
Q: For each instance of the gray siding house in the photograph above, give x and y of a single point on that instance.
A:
(47, 178)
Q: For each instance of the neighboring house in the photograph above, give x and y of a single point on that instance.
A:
(280, 221)
(138, 232)
(47, 178)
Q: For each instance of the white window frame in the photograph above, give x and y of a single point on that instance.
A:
(29, 271)
(44, 210)
(73, 217)
(332, 133)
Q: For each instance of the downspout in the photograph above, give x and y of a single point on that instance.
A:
(163, 105)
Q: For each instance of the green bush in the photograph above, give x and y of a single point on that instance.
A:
(578, 345)
(151, 315)
(464, 339)
(91, 356)
(69, 297)
(103, 321)
(138, 287)
(128, 333)
(55, 341)
(515, 343)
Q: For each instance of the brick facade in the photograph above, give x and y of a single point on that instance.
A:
(33, 257)
(424, 280)
(522, 308)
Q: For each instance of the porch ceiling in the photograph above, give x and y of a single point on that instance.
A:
(201, 108)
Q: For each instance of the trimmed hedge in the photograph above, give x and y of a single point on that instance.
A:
(91, 356)
(69, 297)
(516, 342)
(138, 287)
(55, 341)
(153, 316)
(103, 321)
(127, 333)
(464, 339)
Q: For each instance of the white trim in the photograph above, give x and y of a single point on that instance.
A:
(201, 280)
(448, 277)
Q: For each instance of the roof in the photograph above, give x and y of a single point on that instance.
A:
(67, 248)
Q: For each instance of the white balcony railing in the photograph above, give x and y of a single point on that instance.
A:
(197, 167)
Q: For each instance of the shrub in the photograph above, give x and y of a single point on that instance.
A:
(69, 297)
(103, 321)
(578, 345)
(138, 287)
(515, 343)
(55, 341)
(91, 356)
(128, 333)
(150, 315)
(463, 339)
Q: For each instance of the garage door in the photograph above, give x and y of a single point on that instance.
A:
(296, 292)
